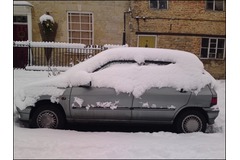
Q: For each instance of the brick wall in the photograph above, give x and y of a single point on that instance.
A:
(181, 26)
(107, 15)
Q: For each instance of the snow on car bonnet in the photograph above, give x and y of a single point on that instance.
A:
(185, 71)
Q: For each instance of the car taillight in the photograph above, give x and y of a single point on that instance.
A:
(214, 101)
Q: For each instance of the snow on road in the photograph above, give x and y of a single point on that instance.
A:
(48, 143)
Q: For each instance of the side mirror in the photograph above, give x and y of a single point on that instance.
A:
(88, 85)
(81, 78)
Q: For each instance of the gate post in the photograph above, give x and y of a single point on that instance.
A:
(29, 55)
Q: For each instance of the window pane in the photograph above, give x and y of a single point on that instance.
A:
(212, 51)
(204, 52)
(75, 26)
(75, 34)
(75, 19)
(86, 41)
(22, 19)
(75, 41)
(85, 27)
(219, 5)
(209, 4)
(153, 4)
(212, 55)
(220, 53)
(221, 43)
(213, 41)
(162, 4)
(85, 19)
(213, 45)
(85, 35)
(205, 42)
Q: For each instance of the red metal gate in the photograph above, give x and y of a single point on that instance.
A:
(20, 54)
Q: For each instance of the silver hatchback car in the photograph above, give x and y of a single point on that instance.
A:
(132, 85)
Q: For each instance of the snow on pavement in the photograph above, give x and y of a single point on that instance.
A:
(48, 143)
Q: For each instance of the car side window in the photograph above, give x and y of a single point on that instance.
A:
(113, 63)
(160, 63)
(122, 62)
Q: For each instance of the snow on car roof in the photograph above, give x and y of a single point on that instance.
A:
(140, 55)
(185, 72)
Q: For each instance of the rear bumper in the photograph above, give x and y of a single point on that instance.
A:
(212, 114)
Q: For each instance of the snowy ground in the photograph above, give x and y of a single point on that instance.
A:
(48, 143)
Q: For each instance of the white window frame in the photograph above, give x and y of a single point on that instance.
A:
(147, 36)
(216, 48)
(68, 30)
(214, 5)
(158, 8)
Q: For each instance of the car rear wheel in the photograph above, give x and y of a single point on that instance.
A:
(48, 116)
(190, 121)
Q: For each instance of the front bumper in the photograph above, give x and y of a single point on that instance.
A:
(24, 115)
(212, 114)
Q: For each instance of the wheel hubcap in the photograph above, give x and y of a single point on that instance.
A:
(47, 119)
(192, 123)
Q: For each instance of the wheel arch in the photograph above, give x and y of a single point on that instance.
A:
(199, 109)
(44, 102)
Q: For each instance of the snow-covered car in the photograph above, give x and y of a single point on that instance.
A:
(141, 85)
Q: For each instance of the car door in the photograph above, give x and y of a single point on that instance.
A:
(158, 104)
(92, 103)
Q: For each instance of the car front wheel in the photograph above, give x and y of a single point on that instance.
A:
(190, 121)
(48, 116)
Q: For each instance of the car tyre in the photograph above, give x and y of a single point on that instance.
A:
(48, 116)
(190, 121)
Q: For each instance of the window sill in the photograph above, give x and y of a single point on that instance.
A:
(212, 59)
(210, 10)
(157, 9)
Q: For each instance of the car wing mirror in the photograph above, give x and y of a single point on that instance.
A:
(88, 85)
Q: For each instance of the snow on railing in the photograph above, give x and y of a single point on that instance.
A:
(108, 46)
(47, 44)
(63, 45)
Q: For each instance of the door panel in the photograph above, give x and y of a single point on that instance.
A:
(20, 54)
(100, 103)
(20, 57)
(158, 104)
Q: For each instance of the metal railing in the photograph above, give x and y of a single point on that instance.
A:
(42, 55)
(63, 57)
(57, 54)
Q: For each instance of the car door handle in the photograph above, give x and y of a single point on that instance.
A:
(131, 108)
(182, 91)
(82, 107)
